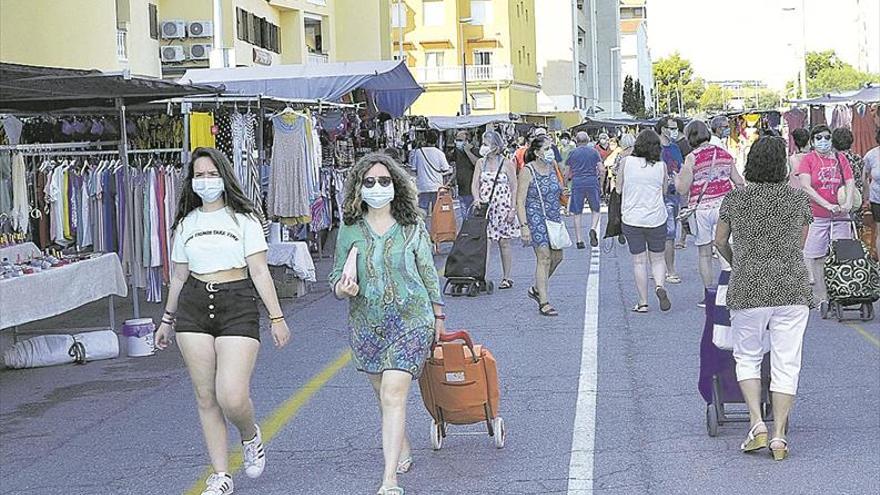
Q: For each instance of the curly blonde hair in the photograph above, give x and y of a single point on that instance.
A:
(404, 206)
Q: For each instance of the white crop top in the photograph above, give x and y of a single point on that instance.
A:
(215, 241)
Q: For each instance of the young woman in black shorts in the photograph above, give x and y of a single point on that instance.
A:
(219, 257)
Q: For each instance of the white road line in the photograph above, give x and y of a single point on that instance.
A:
(583, 437)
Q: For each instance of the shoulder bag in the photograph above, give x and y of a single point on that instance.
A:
(556, 231)
(482, 209)
(841, 191)
(687, 212)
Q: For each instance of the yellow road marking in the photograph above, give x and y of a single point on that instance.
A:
(281, 416)
(866, 334)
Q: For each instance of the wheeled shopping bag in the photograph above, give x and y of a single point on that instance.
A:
(443, 226)
(460, 387)
(465, 269)
(718, 384)
(852, 279)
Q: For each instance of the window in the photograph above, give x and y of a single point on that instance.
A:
(154, 21)
(481, 12)
(582, 36)
(257, 31)
(434, 12)
(433, 59)
(483, 101)
(398, 14)
(482, 57)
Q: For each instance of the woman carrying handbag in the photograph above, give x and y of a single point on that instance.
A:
(539, 214)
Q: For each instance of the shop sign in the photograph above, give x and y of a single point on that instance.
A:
(262, 57)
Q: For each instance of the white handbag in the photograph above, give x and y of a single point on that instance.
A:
(556, 231)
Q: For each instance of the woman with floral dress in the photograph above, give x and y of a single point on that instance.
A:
(495, 170)
(395, 303)
(540, 203)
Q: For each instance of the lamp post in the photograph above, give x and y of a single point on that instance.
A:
(803, 52)
(401, 24)
(465, 108)
(613, 87)
(680, 94)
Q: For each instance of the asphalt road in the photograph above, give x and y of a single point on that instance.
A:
(129, 425)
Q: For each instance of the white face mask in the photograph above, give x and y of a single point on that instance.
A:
(377, 196)
(565, 142)
(673, 135)
(209, 189)
(485, 150)
(549, 156)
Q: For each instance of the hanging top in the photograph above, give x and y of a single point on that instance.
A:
(390, 83)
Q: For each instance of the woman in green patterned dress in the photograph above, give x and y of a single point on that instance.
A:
(395, 302)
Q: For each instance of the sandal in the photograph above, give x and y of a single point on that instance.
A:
(405, 465)
(394, 490)
(756, 440)
(547, 310)
(640, 308)
(505, 284)
(779, 454)
(533, 293)
(673, 279)
(663, 297)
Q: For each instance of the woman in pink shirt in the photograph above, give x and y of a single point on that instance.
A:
(822, 172)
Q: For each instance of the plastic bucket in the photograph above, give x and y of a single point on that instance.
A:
(139, 337)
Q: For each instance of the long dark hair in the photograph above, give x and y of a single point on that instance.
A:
(534, 147)
(404, 206)
(234, 196)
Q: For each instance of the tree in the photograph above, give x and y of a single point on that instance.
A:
(714, 99)
(827, 73)
(675, 76)
(639, 91)
(628, 96)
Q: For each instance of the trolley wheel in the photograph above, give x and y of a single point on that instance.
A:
(866, 313)
(712, 420)
(823, 309)
(838, 309)
(436, 435)
(473, 290)
(500, 432)
(490, 287)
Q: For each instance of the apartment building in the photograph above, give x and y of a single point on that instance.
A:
(635, 54)
(579, 57)
(489, 44)
(166, 37)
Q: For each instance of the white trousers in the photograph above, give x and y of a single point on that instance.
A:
(786, 325)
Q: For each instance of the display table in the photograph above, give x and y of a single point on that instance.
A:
(58, 290)
(24, 251)
(294, 255)
(292, 268)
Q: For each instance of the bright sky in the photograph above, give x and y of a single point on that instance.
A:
(756, 39)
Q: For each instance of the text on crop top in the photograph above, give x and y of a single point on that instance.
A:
(216, 241)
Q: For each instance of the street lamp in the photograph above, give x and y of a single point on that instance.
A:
(803, 61)
(681, 73)
(465, 108)
(613, 87)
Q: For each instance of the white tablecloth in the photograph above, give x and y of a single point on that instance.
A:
(24, 249)
(294, 255)
(58, 290)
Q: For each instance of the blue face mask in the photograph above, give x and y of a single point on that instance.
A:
(822, 145)
(725, 133)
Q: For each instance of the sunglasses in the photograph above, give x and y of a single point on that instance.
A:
(383, 181)
(823, 137)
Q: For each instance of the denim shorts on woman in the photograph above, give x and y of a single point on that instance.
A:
(221, 310)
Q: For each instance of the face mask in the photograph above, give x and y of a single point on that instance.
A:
(725, 133)
(822, 146)
(565, 142)
(459, 145)
(603, 142)
(673, 135)
(485, 150)
(378, 196)
(209, 189)
(549, 156)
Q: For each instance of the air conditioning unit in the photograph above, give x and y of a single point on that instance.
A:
(200, 51)
(172, 54)
(173, 29)
(200, 29)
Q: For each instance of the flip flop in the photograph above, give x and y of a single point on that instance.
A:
(533, 293)
(663, 297)
(505, 284)
(405, 465)
(640, 308)
(547, 310)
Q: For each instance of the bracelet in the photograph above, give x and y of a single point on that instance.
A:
(440, 317)
(277, 318)
(167, 322)
(172, 315)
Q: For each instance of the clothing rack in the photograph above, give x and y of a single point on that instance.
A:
(57, 146)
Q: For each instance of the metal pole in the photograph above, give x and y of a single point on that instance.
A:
(401, 23)
(464, 92)
(803, 49)
(123, 157)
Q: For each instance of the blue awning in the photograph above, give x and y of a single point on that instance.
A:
(390, 83)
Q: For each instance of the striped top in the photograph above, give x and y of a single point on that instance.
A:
(713, 166)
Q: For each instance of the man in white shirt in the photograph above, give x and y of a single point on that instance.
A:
(431, 165)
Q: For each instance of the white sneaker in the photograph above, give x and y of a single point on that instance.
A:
(254, 455)
(218, 484)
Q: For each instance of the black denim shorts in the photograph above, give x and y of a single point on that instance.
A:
(220, 310)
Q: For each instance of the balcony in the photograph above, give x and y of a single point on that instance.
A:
(317, 58)
(121, 50)
(452, 73)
